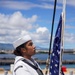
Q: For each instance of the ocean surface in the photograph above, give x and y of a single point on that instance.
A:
(41, 57)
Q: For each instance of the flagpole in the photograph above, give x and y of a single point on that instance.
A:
(48, 59)
(64, 11)
(62, 35)
(61, 49)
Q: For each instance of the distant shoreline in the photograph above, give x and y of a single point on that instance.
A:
(8, 61)
(69, 51)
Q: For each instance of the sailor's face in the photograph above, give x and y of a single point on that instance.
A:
(30, 48)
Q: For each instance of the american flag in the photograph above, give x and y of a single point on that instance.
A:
(55, 56)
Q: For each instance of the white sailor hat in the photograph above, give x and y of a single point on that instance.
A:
(21, 40)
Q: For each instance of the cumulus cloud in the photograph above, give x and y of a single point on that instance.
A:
(43, 33)
(41, 36)
(18, 19)
(15, 24)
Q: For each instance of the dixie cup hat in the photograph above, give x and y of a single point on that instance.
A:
(21, 40)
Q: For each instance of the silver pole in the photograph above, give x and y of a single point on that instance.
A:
(62, 35)
(71, 72)
(6, 73)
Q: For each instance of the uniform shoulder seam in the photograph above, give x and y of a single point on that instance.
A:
(18, 67)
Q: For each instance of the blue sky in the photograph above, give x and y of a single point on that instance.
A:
(34, 17)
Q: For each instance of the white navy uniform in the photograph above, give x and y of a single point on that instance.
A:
(22, 68)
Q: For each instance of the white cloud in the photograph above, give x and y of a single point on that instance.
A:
(70, 27)
(18, 19)
(69, 38)
(24, 5)
(15, 25)
(42, 36)
(43, 33)
(69, 2)
(41, 30)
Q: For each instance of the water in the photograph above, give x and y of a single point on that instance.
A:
(5, 67)
(64, 56)
(41, 57)
(7, 55)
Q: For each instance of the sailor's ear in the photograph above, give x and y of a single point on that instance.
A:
(23, 49)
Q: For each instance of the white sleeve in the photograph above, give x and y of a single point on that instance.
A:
(22, 71)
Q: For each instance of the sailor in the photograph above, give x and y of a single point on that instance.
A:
(24, 63)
